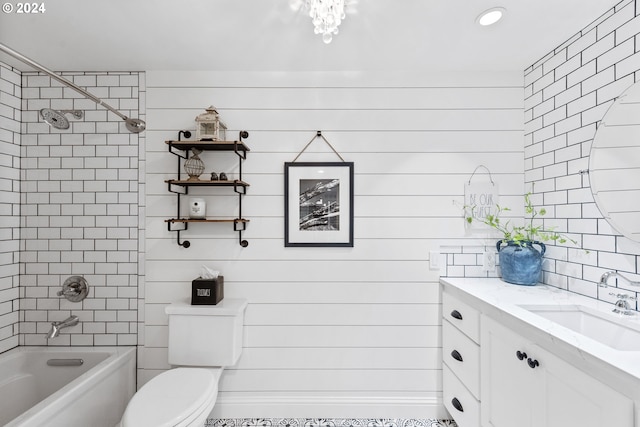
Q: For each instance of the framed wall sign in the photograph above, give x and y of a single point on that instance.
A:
(480, 200)
(318, 204)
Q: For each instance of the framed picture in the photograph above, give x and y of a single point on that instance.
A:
(318, 204)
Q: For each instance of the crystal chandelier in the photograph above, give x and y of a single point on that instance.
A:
(326, 16)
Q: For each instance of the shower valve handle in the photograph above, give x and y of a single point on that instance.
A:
(74, 289)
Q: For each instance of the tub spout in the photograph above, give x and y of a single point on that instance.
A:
(56, 327)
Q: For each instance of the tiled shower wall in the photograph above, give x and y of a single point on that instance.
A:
(10, 117)
(82, 209)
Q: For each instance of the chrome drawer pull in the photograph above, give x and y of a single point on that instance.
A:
(456, 355)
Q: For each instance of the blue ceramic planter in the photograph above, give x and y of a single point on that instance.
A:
(520, 263)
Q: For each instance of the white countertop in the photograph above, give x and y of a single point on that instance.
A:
(502, 301)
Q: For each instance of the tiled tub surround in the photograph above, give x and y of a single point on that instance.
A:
(10, 118)
(500, 302)
(82, 205)
(566, 94)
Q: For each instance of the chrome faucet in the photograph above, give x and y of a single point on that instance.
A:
(57, 326)
(622, 306)
(606, 276)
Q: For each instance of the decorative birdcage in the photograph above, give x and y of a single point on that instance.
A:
(209, 127)
(194, 166)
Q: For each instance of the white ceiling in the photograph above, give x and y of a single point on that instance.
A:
(277, 35)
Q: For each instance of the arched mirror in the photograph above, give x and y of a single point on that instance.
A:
(614, 164)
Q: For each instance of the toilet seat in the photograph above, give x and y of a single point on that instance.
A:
(175, 398)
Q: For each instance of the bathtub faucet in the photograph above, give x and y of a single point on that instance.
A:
(57, 326)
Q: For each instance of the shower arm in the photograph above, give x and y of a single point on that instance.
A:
(6, 49)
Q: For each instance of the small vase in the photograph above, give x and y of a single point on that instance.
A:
(521, 263)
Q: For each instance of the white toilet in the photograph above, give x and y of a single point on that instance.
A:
(203, 339)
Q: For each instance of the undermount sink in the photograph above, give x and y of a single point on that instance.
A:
(608, 329)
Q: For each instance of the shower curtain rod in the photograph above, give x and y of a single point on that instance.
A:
(133, 125)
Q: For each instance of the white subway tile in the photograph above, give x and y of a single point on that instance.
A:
(107, 127)
(542, 133)
(615, 55)
(554, 143)
(581, 104)
(569, 124)
(543, 108)
(569, 153)
(615, 89)
(105, 340)
(622, 16)
(628, 66)
(598, 80)
(616, 261)
(543, 82)
(555, 116)
(106, 268)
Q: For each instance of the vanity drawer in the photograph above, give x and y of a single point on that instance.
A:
(462, 316)
(461, 355)
(463, 407)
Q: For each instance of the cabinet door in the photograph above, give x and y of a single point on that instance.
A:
(550, 392)
(508, 385)
(571, 397)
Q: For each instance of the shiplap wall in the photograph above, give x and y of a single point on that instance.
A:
(10, 118)
(567, 93)
(331, 332)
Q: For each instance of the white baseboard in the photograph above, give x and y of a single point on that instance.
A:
(238, 406)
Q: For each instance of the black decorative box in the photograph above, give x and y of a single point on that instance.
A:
(207, 291)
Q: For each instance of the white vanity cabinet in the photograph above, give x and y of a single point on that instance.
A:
(461, 357)
(505, 367)
(525, 385)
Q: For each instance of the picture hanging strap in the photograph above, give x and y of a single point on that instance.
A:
(319, 135)
(488, 171)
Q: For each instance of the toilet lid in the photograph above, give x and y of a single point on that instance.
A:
(171, 397)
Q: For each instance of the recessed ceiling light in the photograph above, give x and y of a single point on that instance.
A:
(491, 16)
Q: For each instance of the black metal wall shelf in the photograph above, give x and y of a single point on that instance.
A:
(180, 187)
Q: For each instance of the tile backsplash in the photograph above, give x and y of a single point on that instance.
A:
(567, 94)
(82, 209)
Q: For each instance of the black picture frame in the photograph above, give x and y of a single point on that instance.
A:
(318, 204)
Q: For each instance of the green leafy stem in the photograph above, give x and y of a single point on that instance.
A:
(524, 233)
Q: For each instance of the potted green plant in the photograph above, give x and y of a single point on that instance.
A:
(520, 261)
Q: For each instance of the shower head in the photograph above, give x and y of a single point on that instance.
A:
(57, 119)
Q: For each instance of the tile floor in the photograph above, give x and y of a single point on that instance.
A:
(324, 422)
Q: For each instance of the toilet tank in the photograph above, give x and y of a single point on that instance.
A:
(208, 335)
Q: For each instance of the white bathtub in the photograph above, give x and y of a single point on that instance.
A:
(92, 394)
